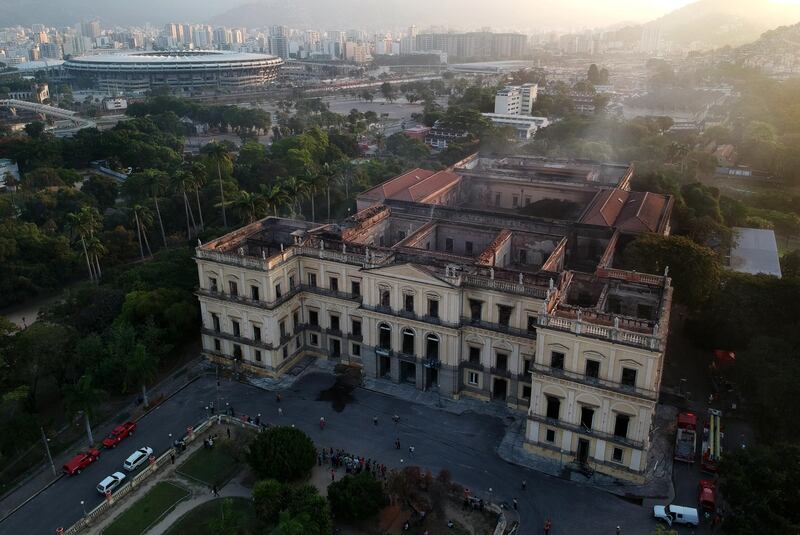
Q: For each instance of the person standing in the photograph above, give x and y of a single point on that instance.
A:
(515, 504)
(619, 530)
(280, 411)
(374, 420)
(547, 526)
(524, 484)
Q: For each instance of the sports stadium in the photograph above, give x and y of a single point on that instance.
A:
(182, 71)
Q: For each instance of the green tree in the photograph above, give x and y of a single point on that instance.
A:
(218, 154)
(356, 498)
(84, 224)
(790, 264)
(269, 499)
(282, 453)
(84, 397)
(388, 91)
(141, 368)
(274, 197)
(104, 189)
(142, 218)
(695, 270)
(296, 190)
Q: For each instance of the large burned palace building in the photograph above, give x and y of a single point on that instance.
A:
(454, 281)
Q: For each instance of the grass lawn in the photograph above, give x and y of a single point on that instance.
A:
(147, 510)
(233, 515)
(215, 466)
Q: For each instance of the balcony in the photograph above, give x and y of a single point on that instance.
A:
(383, 352)
(331, 293)
(355, 337)
(505, 329)
(477, 366)
(409, 315)
(309, 327)
(503, 372)
(271, 305)
(285, 337)
(596, 382)
(582, 430)
(238, 339)
(334, 332)
(407, 357)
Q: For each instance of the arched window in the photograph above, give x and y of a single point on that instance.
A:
(408, 342)
(384, 336)
(432, 347)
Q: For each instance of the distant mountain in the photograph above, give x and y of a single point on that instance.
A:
(110, 12)
(714, 23)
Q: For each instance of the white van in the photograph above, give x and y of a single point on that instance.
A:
(137, 458)
(110, 483)
(676, 514)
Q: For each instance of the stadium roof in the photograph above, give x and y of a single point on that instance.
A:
(173, 57)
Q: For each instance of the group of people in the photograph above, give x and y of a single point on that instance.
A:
(352, 464)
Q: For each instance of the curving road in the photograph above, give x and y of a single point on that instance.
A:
(465, 444)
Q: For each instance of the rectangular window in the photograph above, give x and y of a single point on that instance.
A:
(313, 317)
(523, 256)
(285, 352)
(531, 324)
(334, 323)
(621, 425)
(473, 378)
(295, 320)
(237, 351)
(282, 328)
(215, 321)
(386, 298)
(356, 350)
(235, 327)
(257, 355)
(334, 284)
(475, 309)
(617, 455)
(557, 360)
(527, 200)
(514, 201)
(312, 280)
(587, 416)
(628, 377)
(233, 288)
(291, 282)
(504, 314)
(254, 293)
(474, 355)
(526, 392)
(278, 292)
(401, 235)
(550, 435)
(553, 407)
(381, 241)
(408, 303)
(468, 247)
(593, 369)
(527, 366)
(356, 330)
(497, 199)
(502, 362)
(212, 284)
(448, 244)
(256, 333)
(314, 339)
(355, 287)
(217, 345)
(433, 308)
(408, 342)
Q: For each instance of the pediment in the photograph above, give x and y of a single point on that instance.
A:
(410, 273)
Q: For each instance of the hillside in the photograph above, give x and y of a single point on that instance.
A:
(714, 23)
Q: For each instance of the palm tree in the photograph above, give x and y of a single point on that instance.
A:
(218, 153)
(179, 183)
(96, 249)
(197, 172)
(83, 397)
(85, 223)
(326, 179)
(248, 205)
(141, 368)
(142, 218)
(274, 197)
(296, 190)
(156, 182)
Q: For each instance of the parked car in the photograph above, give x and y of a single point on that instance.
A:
(119, 433)
(80, 461)
(707, 498)
(137, 458)
(110, 483)
(676, 514)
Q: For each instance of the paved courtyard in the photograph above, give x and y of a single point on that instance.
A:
(466, 444)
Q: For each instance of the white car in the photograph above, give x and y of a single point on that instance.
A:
(137, 458)
(110, 483)
(676, 514)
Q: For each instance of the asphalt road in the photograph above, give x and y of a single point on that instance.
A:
(464, 444)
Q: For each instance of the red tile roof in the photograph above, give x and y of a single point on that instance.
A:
(629, 211)
(415, 185)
